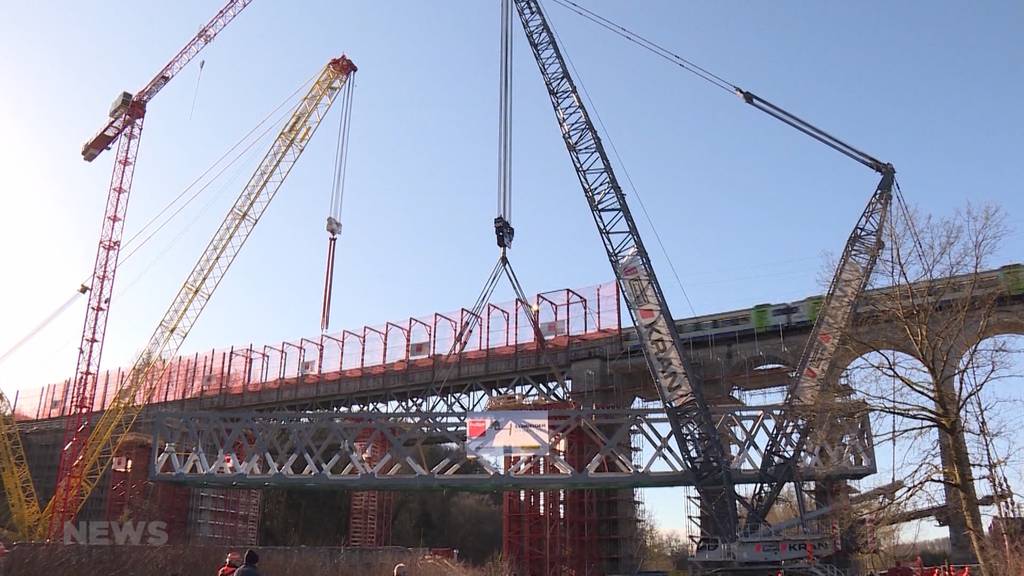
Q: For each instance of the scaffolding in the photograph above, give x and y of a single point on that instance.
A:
(533, 530)
(370, 511)
(131, 496)
(582, 522)
(582, 532)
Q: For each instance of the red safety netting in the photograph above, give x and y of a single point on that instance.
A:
(564, 316)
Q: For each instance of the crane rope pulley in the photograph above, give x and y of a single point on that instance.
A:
(337, 197)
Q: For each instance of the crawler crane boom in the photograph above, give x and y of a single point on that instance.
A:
(692, 424)
(807, 397)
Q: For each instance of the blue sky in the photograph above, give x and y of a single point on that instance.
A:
(746, 206)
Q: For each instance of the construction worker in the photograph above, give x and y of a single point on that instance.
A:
(249, 562)
(400, 570)
(230, 564)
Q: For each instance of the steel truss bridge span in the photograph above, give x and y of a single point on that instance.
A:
(590, 448)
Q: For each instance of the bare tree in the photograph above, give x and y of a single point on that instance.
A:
(992, 422)
(660, 549)
(926, 356)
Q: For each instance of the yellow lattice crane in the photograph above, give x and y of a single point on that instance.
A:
(136, 390)
(22, 503)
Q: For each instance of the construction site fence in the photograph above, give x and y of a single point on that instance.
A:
(416, 343)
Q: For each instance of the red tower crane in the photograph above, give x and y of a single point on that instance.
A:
(124, 126)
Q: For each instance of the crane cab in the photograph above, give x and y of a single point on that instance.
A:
(124, 104)
(120, 105)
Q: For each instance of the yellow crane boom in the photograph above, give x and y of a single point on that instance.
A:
(22, 503)
(112, 426)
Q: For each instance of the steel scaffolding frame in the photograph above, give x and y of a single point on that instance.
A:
(370, 510)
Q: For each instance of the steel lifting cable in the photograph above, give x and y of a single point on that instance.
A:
(266, 124)
(750, 98)
(893, 421)
(629, 179)
(502, 222)
(39, 327)
(467, 327)
(461, 338)
(337, 197)
(650, 46)
(133, 241)
(503, 230)
(505, 112)
(911, 228)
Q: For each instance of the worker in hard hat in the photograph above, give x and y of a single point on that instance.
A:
(231, 564)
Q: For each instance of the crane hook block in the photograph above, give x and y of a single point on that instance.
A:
(333, 226)
(504, 232)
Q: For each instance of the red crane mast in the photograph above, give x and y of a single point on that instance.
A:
(125, 126)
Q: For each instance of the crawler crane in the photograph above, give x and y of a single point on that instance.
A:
(730, 547)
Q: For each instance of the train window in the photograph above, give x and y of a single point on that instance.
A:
(734, 321)
(784, 310)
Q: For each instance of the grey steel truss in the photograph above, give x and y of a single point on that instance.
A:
(424, 450)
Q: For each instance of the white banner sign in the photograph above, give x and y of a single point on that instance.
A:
(508, 433)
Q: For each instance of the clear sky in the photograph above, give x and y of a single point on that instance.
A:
(746, 206)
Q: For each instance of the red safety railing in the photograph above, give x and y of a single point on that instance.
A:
(564, 316)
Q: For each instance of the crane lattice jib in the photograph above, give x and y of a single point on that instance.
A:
(118, 123)
(76, 426)
(195, 293)
(805, 399)
(21, 493)
(691, 421)
(205, 35)
(125, 126)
